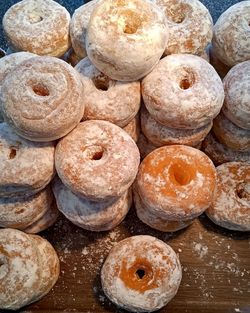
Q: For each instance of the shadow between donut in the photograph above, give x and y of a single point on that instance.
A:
(212, 227)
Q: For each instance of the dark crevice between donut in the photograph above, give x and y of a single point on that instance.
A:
(12, 153)
(140, 273)
(40, 90)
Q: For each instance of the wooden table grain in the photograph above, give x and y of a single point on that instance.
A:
(215, 263)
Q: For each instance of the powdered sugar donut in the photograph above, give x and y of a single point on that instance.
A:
(107, 99)
(137, 33)
(190, 26)
(42, 98)
(26, 167)
(231, 39)
(43, 27)
(78, 27)
(161, 135)
(183, 91)
(91, 215)
(220, 153)
(237, 94)
(231, 204)
(230, 135)
(133, 128)
(141, 274)
(97, 160)
(145, 147)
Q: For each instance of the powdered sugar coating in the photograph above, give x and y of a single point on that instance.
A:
(183, 91)
(177, 182)
(231, 204)
(126, 38)
(25, 167)
(91, 215)
(133, 128)
(231, 40)
(237, 94)
(97, 160)
(42, 98)
(190, 26)
(220, 153)
(157, 287)
(78, 27)
(107, 99)
(231, 135)
(43, 27)
(161, 135)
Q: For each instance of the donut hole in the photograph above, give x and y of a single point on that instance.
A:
(181, 174)
(177, 13)
(101, 82)
(12, 153)
(94, 153)
(40, 90)
(186, 78)
(3, 266)
(140, 273)
(35, 18)
(131, 21)
(243, 191)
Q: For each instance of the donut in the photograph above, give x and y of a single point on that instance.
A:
(237, 93)
(190, 26)
(176, 183)
(29, 268)
(221, 68)
(220, 153)
(183, 91)
(126, 38)
(231, 205)
(20, 212)
(42, 99)
(141, 274)
(7, 64)
(160, 135)
(144, 146)
(26, 167)
(78, 27)
(43, 27)
(91, 215)
(97, 160)
(133, 128)
(107, 99)
(231, 135)
(231, 39)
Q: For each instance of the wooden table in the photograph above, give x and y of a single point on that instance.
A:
(215, 262)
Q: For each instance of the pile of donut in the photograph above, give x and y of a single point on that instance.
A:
(70, 117)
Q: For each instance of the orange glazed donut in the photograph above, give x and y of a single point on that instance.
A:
(183, 91)
(126, 38)
(42, 98)
(141, 274)
(231, 39)
(97, 160)
(38, 26)
(237, 94)
(190, 26)
(231, 205)
(107, 99)
(231, 135)
(133, 128)
(161, 135)
(176, 182)
(220, 153)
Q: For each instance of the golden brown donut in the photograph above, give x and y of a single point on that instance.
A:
(25, 167)
(38, 26)
(133, 128)
(42, 98)
(231, 204)
(107, 99)
(141, 274)
(97, 160)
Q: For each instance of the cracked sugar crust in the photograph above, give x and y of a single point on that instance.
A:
(161, 279)
(97, 160)
(125, 39)
(78, 27)
(43, 27)
(190, 26)
(91, 215)
(133, 128)
(162, 135)
(231, 40)
(231, 205)
(26, 167)
(237, 94)
(20, 212)
(183, 91)
(107, 99)
(177, 182)
(42, 98)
